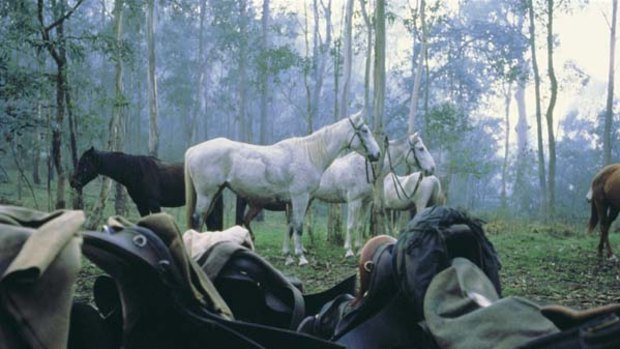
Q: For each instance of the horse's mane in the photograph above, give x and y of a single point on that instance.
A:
(314, 144)
(145, 157)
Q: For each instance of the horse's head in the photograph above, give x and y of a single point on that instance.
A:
(86, 169)
(363, 141)
(419, 156)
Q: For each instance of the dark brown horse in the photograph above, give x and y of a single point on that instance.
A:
(604, 196)
(150, 183)
(246, 212)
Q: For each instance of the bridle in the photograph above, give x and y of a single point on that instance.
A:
(412, 150)
(357, 131)
(398, 186)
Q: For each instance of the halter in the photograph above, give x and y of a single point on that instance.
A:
(412, 150)
(357, 132)
(395, 180)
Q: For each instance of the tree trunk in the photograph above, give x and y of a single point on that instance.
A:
(244, 124)
(36, 158)
(539, 132)
(115, 128)
(368, 58)
(522, 187)
(152, 85)
(550, 108)
(306, 72)
(609, 114)
(77, 197)
(348, 57)
(199, 105)
(264, 77)
(378, 214)
(415, 93)
(507, 99)
(320, 51)
(334, 214)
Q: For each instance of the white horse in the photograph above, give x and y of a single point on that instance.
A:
(401, 193)
(288, 171)
(344, 181)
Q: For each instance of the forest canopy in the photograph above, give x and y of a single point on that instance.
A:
(515, 124)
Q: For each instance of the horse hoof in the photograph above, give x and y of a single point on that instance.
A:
(612, 258)
(302, 261)
(349, 254)
(289, 260)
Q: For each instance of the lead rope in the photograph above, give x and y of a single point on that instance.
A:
(372, 170)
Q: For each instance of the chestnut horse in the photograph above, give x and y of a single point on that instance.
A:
(604, 196)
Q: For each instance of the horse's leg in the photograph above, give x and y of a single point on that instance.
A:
(203, 202)
(240, 210)
(215, 218)
(299, 205)
(613, 214)
(601, 209)
(286, 241)
(353, 208)
(249, 216)
(360, 225)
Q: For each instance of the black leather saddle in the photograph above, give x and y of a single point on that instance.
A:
(259, 293)
(160, 306)
(380, 319)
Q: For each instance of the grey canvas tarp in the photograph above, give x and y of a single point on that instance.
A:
(40, 257)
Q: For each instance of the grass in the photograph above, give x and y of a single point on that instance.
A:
(549, 264)
(555, 264)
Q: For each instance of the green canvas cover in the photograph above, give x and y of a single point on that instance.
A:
(463, 311)
(39, 262)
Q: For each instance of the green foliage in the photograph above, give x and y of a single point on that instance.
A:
(273, 61)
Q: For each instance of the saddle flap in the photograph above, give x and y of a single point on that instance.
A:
(244, 274)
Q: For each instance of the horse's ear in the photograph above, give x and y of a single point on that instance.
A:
(358, 116)
(92, 148)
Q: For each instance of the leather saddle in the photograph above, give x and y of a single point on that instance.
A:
(379, 319)
(259, 293)
(167, 301)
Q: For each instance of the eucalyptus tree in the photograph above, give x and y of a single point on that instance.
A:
(378, 214)
(607, 143)
(116, 127)
(476, 49)
(415, 93)
(56, 47)
(152, 81)
(551, 107)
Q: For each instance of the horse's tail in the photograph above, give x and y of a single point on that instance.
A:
(589, 195)
(190, 196)
(593, 217)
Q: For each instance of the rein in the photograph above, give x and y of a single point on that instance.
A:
(396, 180)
